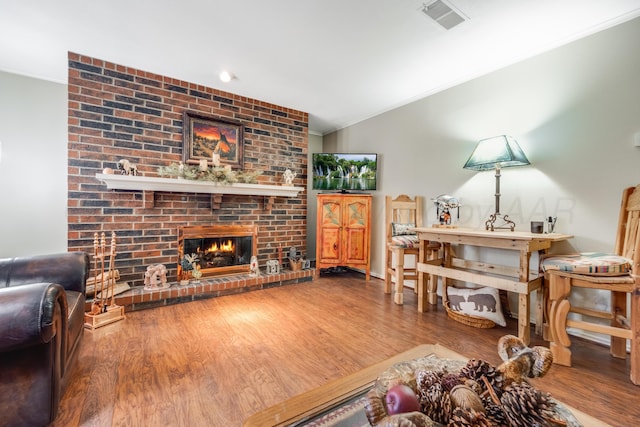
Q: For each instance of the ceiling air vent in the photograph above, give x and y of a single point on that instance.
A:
(443, 14)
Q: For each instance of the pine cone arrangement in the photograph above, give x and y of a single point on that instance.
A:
(525, 406)
(453, 393)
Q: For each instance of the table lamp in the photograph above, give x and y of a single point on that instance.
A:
(494, 153)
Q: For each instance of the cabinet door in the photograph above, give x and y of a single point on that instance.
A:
(356, 230)
(329, 230)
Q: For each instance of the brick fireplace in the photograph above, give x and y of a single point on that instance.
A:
(118, 112)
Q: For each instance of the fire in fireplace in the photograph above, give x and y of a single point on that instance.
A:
(221, 249)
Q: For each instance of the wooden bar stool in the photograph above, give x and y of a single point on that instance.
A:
(402, 214)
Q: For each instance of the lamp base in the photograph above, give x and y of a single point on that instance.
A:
(507, 224)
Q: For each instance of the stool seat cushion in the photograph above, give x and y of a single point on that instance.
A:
(410, 241)
(402, 229)
(406, 241)
(589, 264)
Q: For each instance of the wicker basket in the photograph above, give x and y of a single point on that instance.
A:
(467, 319)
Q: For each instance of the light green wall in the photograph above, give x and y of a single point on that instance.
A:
(33, 166)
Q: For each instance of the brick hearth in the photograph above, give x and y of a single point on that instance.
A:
(138, 298)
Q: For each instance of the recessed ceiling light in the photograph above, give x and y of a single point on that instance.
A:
(226, 76)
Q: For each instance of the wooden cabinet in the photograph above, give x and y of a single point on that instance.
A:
(344, 231)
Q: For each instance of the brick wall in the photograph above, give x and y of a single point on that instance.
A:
(117, 112)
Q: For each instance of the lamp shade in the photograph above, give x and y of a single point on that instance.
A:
(499, 151)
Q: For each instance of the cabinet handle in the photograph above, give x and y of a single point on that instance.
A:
(335, 247)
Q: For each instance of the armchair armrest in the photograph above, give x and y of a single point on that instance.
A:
(68, 269)
(31, 314)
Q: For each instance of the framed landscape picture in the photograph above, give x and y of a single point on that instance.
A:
(204, 136)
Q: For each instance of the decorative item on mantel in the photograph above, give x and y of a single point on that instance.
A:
(288, 177)
(104, 310)
(217, 174)
(155, 277)
(215, 160)
(127, 168)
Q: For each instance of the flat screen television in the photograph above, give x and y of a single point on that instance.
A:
(344, 172)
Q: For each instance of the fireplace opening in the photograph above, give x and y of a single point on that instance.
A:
(220, 249)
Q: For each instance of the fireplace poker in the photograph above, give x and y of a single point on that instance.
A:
(112, 278)
(94, 305)
(103, 245)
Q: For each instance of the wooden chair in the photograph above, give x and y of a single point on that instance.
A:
(401, 215)
(622, 327)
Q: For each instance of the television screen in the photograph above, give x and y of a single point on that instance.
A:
(344, 172)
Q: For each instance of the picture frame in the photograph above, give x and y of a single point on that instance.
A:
(205, 135)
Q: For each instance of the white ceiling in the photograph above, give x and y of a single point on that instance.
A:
(341, 61)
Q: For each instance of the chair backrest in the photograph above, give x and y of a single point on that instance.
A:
(628, 237)
(402, 210)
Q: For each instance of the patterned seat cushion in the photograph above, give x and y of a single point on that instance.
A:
(406, 241)
(591, 264)
(402, 229)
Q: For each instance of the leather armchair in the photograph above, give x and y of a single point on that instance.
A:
(42, 302)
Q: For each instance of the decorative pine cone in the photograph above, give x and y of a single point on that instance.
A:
(475, 369)
(468, 418)
(446, 408)
(431, 402)
(525, 406)
(494, 413)
(449, 381)
(425, 379)
(473, 385)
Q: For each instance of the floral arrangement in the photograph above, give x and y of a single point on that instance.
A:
(218, 174)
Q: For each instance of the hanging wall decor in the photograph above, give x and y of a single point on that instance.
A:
(218, 141)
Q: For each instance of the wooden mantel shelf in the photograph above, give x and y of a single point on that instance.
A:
(175, 185)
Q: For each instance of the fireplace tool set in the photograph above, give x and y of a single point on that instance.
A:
(103, 307)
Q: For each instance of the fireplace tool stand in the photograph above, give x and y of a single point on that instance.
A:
(104, 310)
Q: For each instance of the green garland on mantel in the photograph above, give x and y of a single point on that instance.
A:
(220, 175)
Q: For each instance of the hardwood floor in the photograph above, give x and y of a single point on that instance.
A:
(215, 362)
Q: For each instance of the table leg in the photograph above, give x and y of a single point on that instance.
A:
(524, 302)
(422, 295)
(524, 313)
